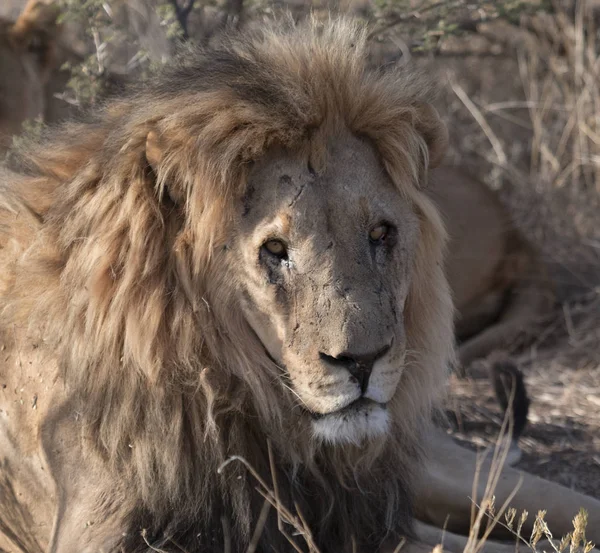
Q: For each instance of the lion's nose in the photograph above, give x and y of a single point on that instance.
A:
(359, 365)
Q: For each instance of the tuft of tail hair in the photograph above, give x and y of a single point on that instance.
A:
(508, 383)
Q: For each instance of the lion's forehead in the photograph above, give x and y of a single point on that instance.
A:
(350, 189)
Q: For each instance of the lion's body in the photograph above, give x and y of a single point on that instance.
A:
(239, 254)
(500, 285)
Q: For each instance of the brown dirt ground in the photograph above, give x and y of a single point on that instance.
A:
(562, 440)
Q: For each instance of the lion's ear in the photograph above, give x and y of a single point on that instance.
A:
(155, 150)
(37, 30)
(431, 127)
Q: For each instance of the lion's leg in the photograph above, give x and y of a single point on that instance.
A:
(525, 307)
(494, 337)
(87, 517)
(447, 486)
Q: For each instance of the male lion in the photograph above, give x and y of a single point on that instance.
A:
(237, 259)
(27, 60)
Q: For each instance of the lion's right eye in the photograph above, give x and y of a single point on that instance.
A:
(276, 248)
(379, 233)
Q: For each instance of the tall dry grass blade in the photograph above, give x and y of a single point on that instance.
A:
(226, 535)
(271, 499)
(145, 538)
(274, 480)
(480, 118)
(486, 509)
(399, 547)
(260, 526)
(286, 515)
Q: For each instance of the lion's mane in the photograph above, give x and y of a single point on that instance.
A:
(123, 273)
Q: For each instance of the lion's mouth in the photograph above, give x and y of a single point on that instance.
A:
(360, 421)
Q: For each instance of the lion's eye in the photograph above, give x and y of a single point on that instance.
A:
(276, 248)
(378, 233)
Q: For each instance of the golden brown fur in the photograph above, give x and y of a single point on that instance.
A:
(120, 275)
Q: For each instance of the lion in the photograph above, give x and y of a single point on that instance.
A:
(237, 260)
(499, 283)
(29, 62)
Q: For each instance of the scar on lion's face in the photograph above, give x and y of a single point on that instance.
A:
(329, 253)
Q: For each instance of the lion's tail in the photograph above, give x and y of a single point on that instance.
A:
(511, 393)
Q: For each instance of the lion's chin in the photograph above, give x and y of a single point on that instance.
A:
(361, 421)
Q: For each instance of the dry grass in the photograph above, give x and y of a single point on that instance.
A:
(539, 139)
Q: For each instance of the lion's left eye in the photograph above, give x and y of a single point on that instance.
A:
(379, 233)
(276, 248)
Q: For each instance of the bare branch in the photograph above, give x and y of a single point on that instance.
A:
(182, 13)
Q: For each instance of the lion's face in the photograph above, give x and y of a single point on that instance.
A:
(326, 260)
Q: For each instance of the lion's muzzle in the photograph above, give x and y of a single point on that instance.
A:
(360, 411)
(359, 365)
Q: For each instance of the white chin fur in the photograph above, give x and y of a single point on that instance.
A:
(353, 425)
